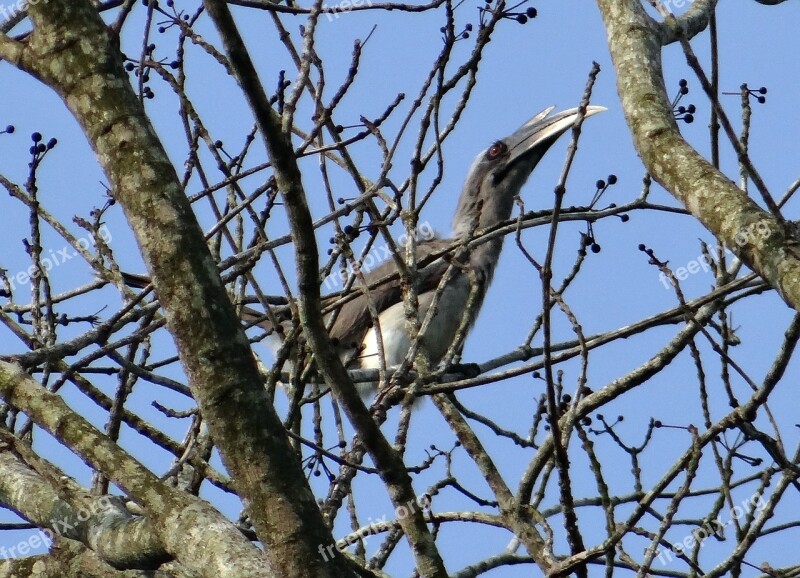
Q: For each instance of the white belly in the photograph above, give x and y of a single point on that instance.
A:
(437, 339)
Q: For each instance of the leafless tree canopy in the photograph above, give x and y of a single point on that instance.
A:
(146, 429)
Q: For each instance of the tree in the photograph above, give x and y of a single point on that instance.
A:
(403, 484)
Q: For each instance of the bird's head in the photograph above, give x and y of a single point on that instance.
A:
(498, 173)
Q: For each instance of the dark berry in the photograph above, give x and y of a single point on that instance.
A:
(468, 27)
(682, 82)
(642, 247)
(657, 423)
(600, 184)
(522, 19)
(612, 179)
(761, 100)
(688, 119)
(10, 129)
(684, 90)
(624, 218)
(762, 90)
(691, 109)
(595, 248)
(531, 12)
(36, 137)
(52, 143)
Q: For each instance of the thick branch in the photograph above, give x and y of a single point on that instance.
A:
(73, 52)
(102, 524)
(191, 530)
(287, 174)
(766, 244)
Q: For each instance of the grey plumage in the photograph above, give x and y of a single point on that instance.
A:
(494, 180)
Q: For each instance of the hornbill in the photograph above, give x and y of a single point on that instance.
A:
(494, 180)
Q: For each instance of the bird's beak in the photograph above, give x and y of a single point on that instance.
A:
(542, 131)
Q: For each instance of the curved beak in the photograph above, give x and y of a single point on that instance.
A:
(542, 130)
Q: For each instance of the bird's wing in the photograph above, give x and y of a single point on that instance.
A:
(249, 315)
(353, 320)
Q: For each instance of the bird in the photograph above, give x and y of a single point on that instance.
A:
(493, 181)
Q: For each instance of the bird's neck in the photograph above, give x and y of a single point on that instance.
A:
(473, 216)
(477, 212)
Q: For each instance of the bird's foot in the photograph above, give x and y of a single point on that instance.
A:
(468, 370)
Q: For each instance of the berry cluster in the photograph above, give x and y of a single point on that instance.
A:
(759, 94)
(588, 239)
(756, 93)
(510, 13)
(684, 113)
(174, 16)
(39, 149)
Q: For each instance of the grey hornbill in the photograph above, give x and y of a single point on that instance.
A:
(495, 178)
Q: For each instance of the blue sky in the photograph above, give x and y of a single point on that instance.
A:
(525, 69)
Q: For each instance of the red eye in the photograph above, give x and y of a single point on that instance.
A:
(495, 150)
